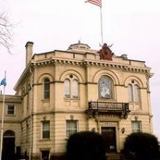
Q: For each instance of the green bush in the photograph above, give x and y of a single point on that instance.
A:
(141, 146)
(85, 146)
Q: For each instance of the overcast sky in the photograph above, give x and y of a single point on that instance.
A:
(132, 26)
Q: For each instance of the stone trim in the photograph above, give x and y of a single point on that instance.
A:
(87, 63)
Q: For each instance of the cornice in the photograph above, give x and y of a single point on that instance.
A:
(11, 99)
(51, 113)
(12, 121)
(118, 66)
(55, 61)
(97, 63)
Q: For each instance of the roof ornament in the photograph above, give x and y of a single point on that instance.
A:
(105, 52)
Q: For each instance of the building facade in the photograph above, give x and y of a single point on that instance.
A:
(63, 92)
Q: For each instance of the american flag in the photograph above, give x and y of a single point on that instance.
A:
(96, 2)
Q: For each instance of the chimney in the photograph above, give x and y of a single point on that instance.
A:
(29, 51)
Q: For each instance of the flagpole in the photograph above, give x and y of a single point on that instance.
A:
(2, 121)
(101, 24)
(99, 4)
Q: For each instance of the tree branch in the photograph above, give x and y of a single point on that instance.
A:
(5, 32)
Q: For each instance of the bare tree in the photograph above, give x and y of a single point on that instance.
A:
(5, 32)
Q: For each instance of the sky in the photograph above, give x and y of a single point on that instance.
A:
(132, 26)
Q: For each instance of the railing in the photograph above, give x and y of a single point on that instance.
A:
(114, 108)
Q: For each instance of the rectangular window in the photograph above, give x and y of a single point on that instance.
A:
(71, 127)
(46, 129)
(10, 109)
(136, 126)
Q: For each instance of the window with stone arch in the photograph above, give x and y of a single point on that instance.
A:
(105, 87)
(71, 87)
(46, 88)
(133, 92)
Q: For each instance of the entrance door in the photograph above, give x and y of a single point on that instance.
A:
(109, 135)
(45, 155)
(8, 152)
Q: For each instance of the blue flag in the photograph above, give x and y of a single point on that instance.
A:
(3, 82)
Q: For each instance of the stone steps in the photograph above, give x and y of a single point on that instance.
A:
(113, 156)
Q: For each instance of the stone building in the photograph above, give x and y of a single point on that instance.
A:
(62, 92)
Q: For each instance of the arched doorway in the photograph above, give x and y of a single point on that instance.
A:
(8, 152)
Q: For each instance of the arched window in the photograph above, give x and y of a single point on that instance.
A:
(74, 88)
(105, 87)
(133, 92)
(136, 93)
(67, 88)
(71, 88)
(130, 93)
(46, 88)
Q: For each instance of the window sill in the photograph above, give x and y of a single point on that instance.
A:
(106, 99)
(137, 103)
(45, 100)
(44, 139)
(10, 115)
(69, 99)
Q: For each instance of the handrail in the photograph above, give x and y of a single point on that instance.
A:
(121, 109)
